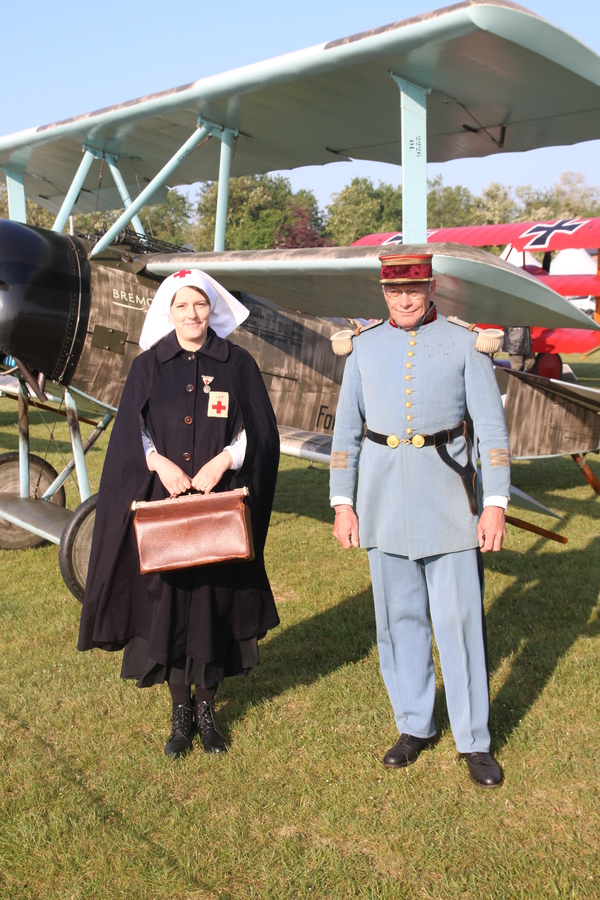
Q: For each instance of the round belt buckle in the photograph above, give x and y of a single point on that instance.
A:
(418, 440)
(393, 441)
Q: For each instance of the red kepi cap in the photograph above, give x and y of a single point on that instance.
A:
(396, 268)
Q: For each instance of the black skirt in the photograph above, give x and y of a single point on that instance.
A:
(237, 658)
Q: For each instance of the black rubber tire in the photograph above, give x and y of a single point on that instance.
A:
(75, 546)
(11, 536)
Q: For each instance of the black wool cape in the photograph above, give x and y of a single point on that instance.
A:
(195, 613)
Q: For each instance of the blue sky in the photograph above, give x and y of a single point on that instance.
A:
(64, 58)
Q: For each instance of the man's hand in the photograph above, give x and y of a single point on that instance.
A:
(211, 472)
(174, 479)
(346, 527)
(491, 529)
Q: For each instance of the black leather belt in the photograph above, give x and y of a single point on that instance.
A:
(420, 440)
(468, 473)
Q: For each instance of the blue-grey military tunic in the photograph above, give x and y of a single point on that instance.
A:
(410, 502)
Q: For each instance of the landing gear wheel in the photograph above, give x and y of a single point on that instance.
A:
(75, 546)
(41, 476)
(548, 365)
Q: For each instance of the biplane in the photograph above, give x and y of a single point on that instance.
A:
(436, 87)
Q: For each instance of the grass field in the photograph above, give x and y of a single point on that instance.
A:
(302, 807)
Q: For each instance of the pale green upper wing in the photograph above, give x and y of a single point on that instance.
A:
(492, 66)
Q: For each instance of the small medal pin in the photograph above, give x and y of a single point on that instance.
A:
(207, 379)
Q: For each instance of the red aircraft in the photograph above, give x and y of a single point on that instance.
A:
(542, 237)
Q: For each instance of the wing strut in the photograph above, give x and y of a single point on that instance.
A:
(413, 114)
(122, 189)
(90, 154)
(227, 136)
(204, 130)
(15, 187)
(73, 192)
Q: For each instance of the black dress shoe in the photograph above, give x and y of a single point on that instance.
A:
(206, 724)
(182, 728)
(405, 751)
(483, 768)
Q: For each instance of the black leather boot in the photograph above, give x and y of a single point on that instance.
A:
(206, 724)
(182, 727)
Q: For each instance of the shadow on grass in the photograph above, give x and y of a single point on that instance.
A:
(303, 653)
(537, 620)
(38, 446)
(546, 478)
(90, 800)
(534, 622)
(9, 440)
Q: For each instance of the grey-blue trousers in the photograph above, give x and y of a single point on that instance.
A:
(449, 587)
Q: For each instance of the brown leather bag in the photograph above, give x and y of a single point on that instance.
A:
(195, 530)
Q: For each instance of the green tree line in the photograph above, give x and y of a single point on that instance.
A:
(264, 212)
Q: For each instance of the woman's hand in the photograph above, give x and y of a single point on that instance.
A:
(211, 473)
(173, 479)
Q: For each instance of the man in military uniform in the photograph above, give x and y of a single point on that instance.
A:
(411, 381)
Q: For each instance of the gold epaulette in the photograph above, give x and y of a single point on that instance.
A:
(341, 341)
(489, 340)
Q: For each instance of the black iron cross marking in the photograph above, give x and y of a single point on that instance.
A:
(396, 238)
(541, 234)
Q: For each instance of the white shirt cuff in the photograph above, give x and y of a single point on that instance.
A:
(147, 442)
(502, 502)
(341, 501)
(237, 450)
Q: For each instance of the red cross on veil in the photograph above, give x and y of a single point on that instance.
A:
(183, 273)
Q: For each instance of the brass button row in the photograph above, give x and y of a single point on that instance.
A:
(408, 378)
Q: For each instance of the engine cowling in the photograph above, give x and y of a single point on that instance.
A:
(44, 298)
